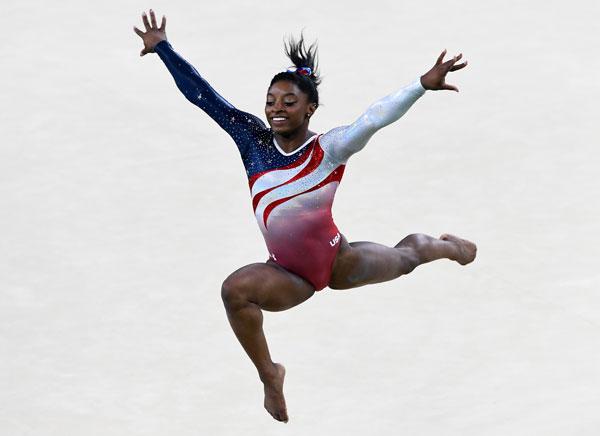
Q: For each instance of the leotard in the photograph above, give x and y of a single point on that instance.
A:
(292, 193)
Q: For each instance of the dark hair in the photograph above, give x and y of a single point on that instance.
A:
(302, 57)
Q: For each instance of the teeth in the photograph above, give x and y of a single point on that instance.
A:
(279, 118)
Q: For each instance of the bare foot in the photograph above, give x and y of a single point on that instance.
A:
(274, 399)
(466, 249)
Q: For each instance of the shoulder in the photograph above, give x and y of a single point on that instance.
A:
(334, 135)
(330, 142)
(253, 120)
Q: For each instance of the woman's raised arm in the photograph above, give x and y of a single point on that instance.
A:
(194, 87)
(342, 142)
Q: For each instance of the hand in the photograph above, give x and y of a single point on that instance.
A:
(435, 79)
(153, 35)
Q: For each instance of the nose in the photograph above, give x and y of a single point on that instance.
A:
(278, 106)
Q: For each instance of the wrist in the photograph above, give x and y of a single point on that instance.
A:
(160, 44)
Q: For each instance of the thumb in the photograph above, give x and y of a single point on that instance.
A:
(450, 87)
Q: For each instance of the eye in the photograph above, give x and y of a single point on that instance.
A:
(290, 103)
(270, 103)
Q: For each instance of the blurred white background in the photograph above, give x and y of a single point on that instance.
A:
(123, 207)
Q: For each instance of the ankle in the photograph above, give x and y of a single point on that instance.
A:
(452, 248)
(268, 373)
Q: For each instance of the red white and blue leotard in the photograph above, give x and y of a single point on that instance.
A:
(292, 193)
(292, 205)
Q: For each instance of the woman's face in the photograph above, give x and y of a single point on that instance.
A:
(287, 107)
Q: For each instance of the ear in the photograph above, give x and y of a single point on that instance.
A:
(311, 109)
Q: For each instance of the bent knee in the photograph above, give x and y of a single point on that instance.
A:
(239, 287)
(230, 293)
(414, 240)
(409, 260)
(234, 289)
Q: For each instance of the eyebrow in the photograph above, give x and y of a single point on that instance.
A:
(285, 95)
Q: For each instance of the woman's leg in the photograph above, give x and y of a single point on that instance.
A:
(364, 263)
(245, 292)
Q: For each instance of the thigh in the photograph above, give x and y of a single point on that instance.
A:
(364, 263)
(270, 286)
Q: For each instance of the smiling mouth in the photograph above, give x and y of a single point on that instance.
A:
(279, 120)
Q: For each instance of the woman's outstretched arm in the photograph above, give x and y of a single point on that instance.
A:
(342, 142)
(193, 86)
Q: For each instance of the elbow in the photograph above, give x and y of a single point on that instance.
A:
(191, 92)
(371, 119)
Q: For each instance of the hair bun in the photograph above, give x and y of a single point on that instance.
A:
(303, 57)
(304, 70)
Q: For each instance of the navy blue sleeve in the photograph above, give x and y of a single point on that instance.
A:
(241, 126)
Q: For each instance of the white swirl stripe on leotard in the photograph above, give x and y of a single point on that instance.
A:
(273, 178)
(313, 174)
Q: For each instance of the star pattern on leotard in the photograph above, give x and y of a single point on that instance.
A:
(252, 135)
(263, 156)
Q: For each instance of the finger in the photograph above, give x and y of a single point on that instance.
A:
(145, 20)
(153, 19)
(440, 57)
(458, 66)
(449, 87)
(143, 52)
(448, 65)
(138, 31)
(452, 61)
(163, 23)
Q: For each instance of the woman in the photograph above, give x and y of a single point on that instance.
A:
(293, 175)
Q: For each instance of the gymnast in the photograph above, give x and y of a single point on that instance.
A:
(293, 174)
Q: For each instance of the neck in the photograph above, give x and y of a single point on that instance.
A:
(290, 142)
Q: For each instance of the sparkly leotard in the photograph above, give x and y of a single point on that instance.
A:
(292, 193)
